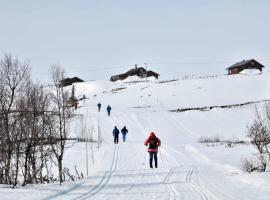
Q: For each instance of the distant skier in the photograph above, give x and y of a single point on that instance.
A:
(99, 106)
(154, 143)
(116, 135)
(109, 110)
(124, 132)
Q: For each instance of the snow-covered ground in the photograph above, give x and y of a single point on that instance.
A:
(187, 169)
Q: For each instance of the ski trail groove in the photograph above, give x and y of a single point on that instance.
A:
(169, 185)
(105, 179)
(189, 180)
(213, 186)
(169, 175)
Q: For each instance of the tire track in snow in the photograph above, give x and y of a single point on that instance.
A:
(105, 179)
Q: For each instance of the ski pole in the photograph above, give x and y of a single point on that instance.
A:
(144, 156)
(161, 155)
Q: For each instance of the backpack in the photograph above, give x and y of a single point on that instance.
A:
(153, 143)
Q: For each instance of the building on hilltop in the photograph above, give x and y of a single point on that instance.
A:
(245, 64)
(137, 71)
(70, 81)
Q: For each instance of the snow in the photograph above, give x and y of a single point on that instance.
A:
(250, 71)
(137, 79)
(187, 169)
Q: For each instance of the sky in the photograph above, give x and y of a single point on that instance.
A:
(96, 39)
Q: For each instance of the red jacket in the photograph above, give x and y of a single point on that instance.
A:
(146, 142)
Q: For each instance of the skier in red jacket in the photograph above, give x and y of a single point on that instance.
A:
(154, 143)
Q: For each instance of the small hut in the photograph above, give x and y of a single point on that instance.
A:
(245, 64)
(137, 71)
(70, 81)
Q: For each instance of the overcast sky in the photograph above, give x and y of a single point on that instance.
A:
(95, 39)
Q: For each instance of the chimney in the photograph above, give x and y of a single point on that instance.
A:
(135, 66)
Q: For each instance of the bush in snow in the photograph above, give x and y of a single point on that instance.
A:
(205, 139)
(249, 166)
(217, 139)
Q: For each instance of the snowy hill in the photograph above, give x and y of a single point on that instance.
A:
(182, 93)
(187, 169)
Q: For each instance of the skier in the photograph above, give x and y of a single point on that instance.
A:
(154, 143)
(99, 106)
(124, 132)
(116, 135)
(109, 110)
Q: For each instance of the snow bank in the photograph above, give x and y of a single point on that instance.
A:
(250, 71)
(137, 79)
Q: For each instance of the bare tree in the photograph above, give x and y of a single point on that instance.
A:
(259, 133)
(62, 118)
(34, 124)
(13, 78)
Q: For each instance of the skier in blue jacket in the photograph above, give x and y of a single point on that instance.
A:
(124, 132)
(109, 110)
(116, 135)
(99, 106)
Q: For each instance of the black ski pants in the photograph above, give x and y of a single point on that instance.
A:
(116, 138)
(153, 155)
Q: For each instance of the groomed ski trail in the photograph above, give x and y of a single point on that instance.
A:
(129, 177)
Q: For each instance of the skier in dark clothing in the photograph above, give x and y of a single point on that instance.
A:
(154, 143)
(109, 110)
(116, 135)
(124, 132)
(99, 106)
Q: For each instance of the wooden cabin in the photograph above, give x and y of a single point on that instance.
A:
(69, 81)
(137, 71)
(245, 64)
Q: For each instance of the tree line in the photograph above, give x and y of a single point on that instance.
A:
(34, 124)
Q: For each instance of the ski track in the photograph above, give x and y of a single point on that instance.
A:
(105, 179)
(191, 174)
(178, 176)
(191, 179)
(172, 191)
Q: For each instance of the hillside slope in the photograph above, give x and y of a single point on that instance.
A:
(187, 169)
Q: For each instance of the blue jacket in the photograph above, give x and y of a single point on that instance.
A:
(115, 132)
